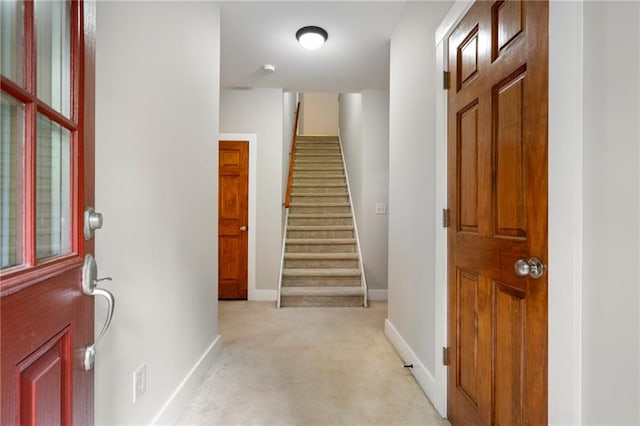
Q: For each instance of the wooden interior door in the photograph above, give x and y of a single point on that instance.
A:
(233, 203)
(497, 173)
(46, 180)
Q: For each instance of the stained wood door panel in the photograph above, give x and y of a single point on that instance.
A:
(233, 162)
(468, 168)
(507, 23)
(497, 168)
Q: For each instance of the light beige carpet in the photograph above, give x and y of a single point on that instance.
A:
(307, 366)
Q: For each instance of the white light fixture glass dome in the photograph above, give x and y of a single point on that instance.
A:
(311, 37)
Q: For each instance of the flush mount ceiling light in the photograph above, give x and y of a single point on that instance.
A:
(311, 37)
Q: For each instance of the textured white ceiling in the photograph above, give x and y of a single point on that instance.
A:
(355, 56)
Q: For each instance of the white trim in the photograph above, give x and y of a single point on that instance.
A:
(565, 211)
(355, 224)
(377, 295)
(424, 378)
(453, 16)
(171, 409)
(441, 199)
(253, 194)
(565, 207)
(264, 295)
(284, 246)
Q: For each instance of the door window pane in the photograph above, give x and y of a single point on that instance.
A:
(53, 189)
(11, 182)
(12, 36)
(53, 50)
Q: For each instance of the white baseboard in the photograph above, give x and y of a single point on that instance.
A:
(377, 295)
(424, 378)
(263, 295)
(171, 409)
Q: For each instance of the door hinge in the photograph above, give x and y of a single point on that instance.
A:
(445, 355)
(445, 80)
(445, 218)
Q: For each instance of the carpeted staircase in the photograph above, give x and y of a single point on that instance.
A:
(321, 265)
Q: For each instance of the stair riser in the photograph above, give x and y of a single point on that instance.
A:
(322, 301)
(320, 145)
(321, 281)
(320, 234)
(325, 147)
(302, 158)
(321, 263)
(318, 209)
(318, 190)
(312, 153)
(321, 221)
(318, 169)
(319, 199)
(318, 174)
(313, 180)
(320, 248)
(317, 138)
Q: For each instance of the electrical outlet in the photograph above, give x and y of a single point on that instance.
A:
(139, 382)
(381, 208)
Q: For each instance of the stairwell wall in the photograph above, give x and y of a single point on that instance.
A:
(260, 111)
(319, 113)
(364, 131)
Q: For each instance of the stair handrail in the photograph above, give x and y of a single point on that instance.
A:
(287, 198)
(355, 225)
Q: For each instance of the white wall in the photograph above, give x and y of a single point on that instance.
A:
(611, 215)
(351, 136)
(412, 139)
(156, 183)
(260, 111)
(319, 115)
(364, 131)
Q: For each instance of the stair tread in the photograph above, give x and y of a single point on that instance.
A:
(319, 215)
(320, 227)
(323, 291)
(323, 256)
(314, 241)
(334, 156)
(337, 159)
(333, 175)
(321, 272)
(296, 204)
(318, 194)
(319, 185)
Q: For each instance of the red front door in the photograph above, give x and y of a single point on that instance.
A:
(46, 182)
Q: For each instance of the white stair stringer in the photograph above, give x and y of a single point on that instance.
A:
(321, 259)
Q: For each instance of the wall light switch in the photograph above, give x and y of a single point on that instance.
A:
(381, 208)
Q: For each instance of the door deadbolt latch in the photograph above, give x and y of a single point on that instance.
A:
(92, 221)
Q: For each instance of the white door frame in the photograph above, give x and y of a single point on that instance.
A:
(565, 209)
